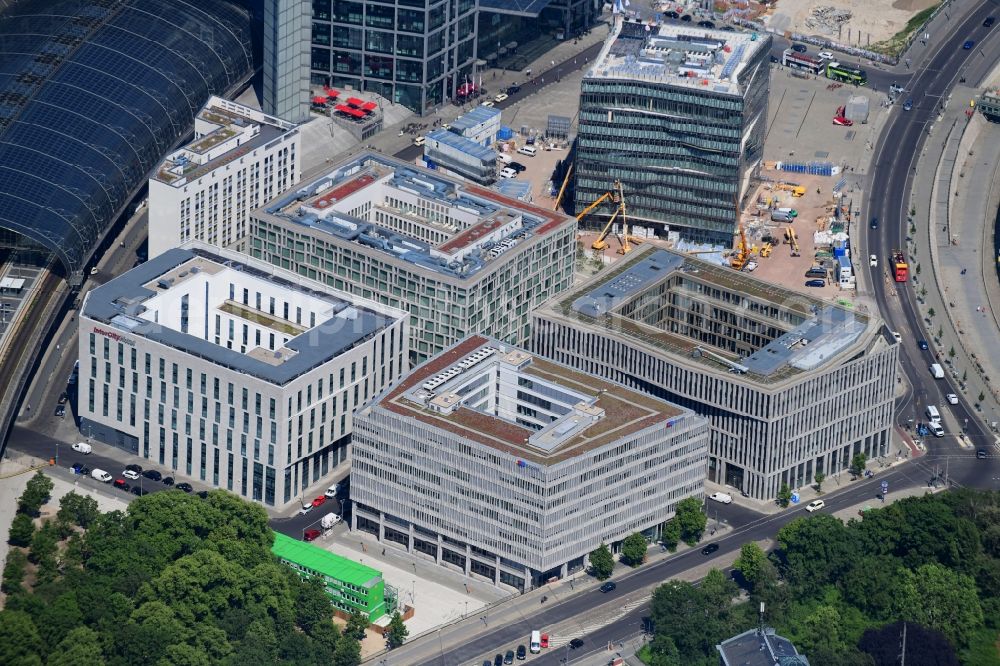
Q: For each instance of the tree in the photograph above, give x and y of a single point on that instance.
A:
(43, 544)
(858, 463)
(951, 353)
(663, 652)
(820, 477)
(602, 562)
(931, 313)
(670, 535)
(932, 646)
(784, 495)
(695, 619)
(35, 494)
(78, 509)
(634, 549)
(941, 599)
(397, 632)
(19, 640)
(982, 396)
(348, 652)
(822, 630)
(357, 625)
(753, 564)
(22, 528)
(692, 520)
(13, 572)
(80, 647)
(312, 606)
(815, 551)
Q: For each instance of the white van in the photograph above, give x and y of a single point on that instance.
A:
(82, 447)
(936, 429)
(937, 370)
(527, 150)
(933, 414)
(505, 158)
(536, 642)
(101, 475)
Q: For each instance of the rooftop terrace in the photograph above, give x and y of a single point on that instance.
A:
(814, 332)
(413, 215)
(603, 412)
(675, 54)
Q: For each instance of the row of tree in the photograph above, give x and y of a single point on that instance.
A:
(844, 592)
(174, 579)
(687, 525)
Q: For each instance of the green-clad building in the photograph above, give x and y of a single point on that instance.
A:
(350, 585)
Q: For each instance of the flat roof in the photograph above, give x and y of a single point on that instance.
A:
(119, 304)
(815, 333)
(477, 116)
(324, 562)
(607, 411)
(460, 143)
(477, 224)
(677, 54)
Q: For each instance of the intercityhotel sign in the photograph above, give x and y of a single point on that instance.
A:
(117, 337)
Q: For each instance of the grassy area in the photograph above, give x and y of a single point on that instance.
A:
(894, 45)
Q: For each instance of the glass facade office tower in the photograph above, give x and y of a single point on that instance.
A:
(678, 114)
(286, 59)
(413, 52)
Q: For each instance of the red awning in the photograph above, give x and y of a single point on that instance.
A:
(357, 113)
(319, 100)
(331, 93)
(369, 106)
(354, 101)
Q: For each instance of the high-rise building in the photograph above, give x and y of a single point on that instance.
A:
(792, 385)
(232, 372)
(240, 158)
(460, 258)
(287, 27)
(678, 114)
(512, 468)
(412, 52)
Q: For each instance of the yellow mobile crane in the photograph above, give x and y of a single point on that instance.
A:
(562, 189)
(742, 252)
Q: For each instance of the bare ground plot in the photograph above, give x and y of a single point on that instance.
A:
(855, 22)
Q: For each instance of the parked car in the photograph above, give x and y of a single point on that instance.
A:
(152, 475)
(203, 494)
(500, 97)
(101, 475)
(507, 172)
(509, 657)
(686, 18)
(815, 505)
(522, 653)
(306, 508)
(709, 549)
(82, 447)
(488, 103)
(816, 282)
(311, 535)
(186, 487)
(721, 497)
(706, 24)
(121, 484)
(576, 643)
(498, 660)
(750, 267)
(952, 399)
(544, 642)
(319, 501)
(825, 55)
(673, 15)
(513, 89)
(60, 411)
(167, 481)
(76, 467)
(799, 48)
(419, 141)
(135, 468)
(139, 490)
(517, 166)
(130, 474)
(332, 491)
(608, 587)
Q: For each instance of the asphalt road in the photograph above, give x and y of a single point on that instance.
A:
(892, 173)
(632, 584)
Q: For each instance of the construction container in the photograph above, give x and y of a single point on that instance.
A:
(857, 109)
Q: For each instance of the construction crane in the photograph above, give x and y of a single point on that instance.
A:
(626, 239)
(562, 189)
(796, 190)
(765, 251)
(614, 194)
(742, 251)
(790, 237)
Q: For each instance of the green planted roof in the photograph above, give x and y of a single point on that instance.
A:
(323, 561)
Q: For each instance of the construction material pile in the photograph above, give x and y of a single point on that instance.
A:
(828, 19)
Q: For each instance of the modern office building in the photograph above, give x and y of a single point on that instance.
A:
(94, 94)
(460, 258)
(792, 385)
(231, 372)
(285, 66)
(350, 585)
(678, 114)
(239, 159)
(459, 156)
(412, 52)
(513, 468)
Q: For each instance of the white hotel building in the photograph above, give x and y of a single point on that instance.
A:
(240, 159)
(233, 373)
